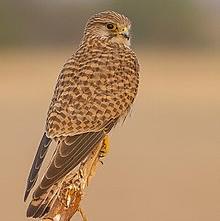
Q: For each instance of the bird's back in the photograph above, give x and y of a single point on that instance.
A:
(97, 83)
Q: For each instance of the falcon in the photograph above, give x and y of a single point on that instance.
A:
(95, 89)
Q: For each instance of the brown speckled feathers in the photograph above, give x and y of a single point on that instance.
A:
(97, 84)
(95, 88)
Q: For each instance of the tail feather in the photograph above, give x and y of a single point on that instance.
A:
(39, 157)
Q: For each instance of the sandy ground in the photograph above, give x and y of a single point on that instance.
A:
(164, 163)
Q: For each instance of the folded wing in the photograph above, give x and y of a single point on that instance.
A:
(70, 152)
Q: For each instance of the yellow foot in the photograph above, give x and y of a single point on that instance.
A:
(105, 147)
(84, 218)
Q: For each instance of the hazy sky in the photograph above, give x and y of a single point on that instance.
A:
(207, 3)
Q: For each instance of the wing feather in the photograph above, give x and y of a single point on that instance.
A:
(75, 152)
(38, 160)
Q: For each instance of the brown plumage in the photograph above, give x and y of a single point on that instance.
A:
(95, 88)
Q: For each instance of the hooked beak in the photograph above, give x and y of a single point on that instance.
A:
(125, 33)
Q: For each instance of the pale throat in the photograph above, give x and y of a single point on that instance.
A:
(121, 40)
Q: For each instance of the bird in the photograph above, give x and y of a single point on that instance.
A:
(95, 89)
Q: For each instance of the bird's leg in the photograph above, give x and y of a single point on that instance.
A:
(84, 218)
(104, 149)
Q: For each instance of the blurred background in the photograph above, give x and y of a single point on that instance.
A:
(164, 163)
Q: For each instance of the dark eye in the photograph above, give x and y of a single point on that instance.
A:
(110, 26)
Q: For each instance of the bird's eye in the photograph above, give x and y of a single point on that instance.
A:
(110, 26)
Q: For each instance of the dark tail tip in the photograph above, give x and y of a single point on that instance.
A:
(37, 211)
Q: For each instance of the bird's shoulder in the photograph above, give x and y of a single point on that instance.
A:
(92, 66)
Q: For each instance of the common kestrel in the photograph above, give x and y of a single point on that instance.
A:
(94, 90)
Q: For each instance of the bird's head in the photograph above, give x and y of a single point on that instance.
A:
(109, 25)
